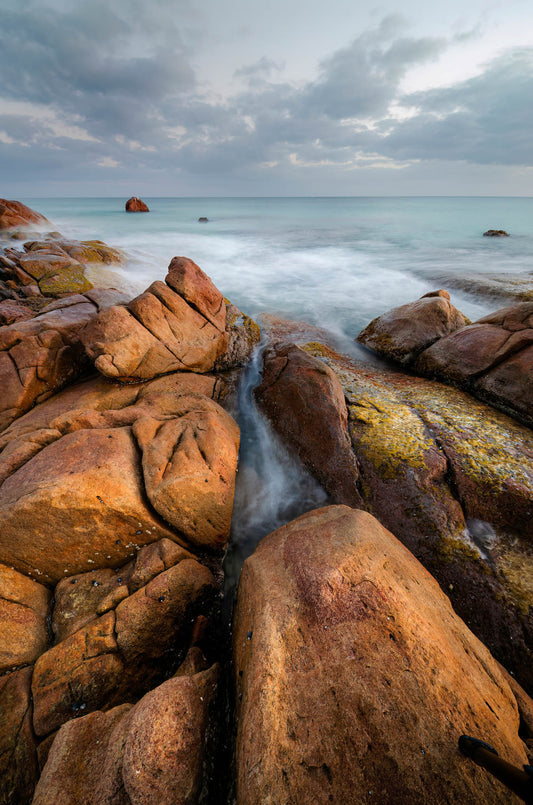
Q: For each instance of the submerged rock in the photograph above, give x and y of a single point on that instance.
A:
(354, 676)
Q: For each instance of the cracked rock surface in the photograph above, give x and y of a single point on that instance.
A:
(44, 354)
(176, 325)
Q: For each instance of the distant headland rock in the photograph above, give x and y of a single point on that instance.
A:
(135, 204)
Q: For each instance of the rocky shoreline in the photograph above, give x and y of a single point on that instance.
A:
(368, 635)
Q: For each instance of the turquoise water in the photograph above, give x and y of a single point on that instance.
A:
(335, 262)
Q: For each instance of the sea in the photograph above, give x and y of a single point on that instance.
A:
(332, 262)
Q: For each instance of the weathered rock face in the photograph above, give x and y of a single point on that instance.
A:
(243, 335)
(434, 467)
(149, 752)
(135, 204)
(76, 473)
(123, 642)
(403, 332)
(356, 676)
(174, 326)
(493, 358)
(15, 215)
(41, 355)
(19, 769)
(23, 613)
(305, 402)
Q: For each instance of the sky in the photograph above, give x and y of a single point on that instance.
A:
(257, 98)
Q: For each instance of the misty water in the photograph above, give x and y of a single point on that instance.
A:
(332, 262)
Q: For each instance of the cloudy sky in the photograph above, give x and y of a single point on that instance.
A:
(255, 97)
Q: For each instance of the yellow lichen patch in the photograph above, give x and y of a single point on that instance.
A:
(517, 567)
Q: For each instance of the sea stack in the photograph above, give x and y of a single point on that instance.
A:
(135, 204)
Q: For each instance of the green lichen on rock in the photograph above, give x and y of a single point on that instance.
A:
(66, 281)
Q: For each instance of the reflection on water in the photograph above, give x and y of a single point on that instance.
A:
(272, 487)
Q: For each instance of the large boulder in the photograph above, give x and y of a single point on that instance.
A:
(304, 400)
(123, 642)
(450, 477)
(178, 325)
(405, 331)
(153, 751)
(15, 215)
(354, 676)
(41, 355)
(96, 472)
(493, 358)
(135, 204)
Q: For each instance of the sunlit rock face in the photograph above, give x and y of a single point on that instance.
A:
(355, 678)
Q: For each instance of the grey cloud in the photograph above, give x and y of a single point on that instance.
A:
(261, 68)
(487, 119)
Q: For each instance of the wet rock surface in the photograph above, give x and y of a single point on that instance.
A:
(354, 676)
(15, 215)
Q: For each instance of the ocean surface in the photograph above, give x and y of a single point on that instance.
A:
(333, 262)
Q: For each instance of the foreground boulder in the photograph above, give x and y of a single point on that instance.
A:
(19, 769)
(135, 204)
(178, 325)
(43, 354)
(448, 475)
(354, 676)
(153, 751)
(15, 215)
(405, 331)
(92, 474)
(24, 610)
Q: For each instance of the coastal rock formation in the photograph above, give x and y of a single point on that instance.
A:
(135, 204)
(15, 215)
(355, 677)
(19, 769)
(24, 606)
(405, 331)
(77, 482)
(492, 357)
(496, 233)
(304, 400)
(43, 354)
(178, 325)
(434, 467)
(150, 752)
(130, 643)
(508, 287)
(243, 336)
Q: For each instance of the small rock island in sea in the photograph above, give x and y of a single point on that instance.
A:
(368, 635)
(135, 204)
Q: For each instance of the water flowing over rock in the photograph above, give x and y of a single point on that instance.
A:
(354, 676)
(434, 467)
(305, 401)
